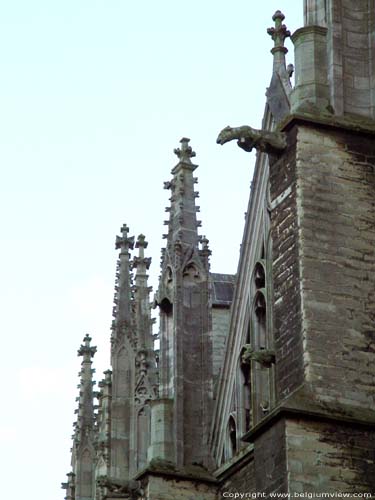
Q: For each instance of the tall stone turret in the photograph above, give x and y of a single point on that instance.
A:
(334, 56)
(142, 306)
(185, 328)
(123, 362)
(80, 484)
(145, 368)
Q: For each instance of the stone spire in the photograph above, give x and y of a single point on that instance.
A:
(280, 87)
(143, 321)
(83, 453)
(122, 361)
(85, 421)
(183, 222)
(183, 412)
(146, 377)
(122, 310)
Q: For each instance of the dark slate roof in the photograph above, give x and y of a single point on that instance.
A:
(222, 289)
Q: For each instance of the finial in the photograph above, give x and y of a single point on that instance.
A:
(205, 250)
(278, 34)
(141, 262)
(141, 241)
(123, 241)
(86, 349)
(185, 153)
(204, 241)
(108, 376)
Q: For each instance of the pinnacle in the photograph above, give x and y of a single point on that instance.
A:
(185, 153)
(182, 224)
(124, 242)
(141, 241)
(280, 32)
(86, 348)
(141, 263)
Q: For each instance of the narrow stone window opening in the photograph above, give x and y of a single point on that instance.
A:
(260, 312)
(259, 276)
(246, 390)
(232, 435)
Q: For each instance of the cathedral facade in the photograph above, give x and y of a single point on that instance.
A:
(264, 382)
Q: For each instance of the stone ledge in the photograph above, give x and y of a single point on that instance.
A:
(354, 123)
(302, 403)
(167, 469)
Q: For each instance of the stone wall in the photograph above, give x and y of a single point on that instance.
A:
(239, 476)
(336, 224)
(328, 457)
(164, 488)
(351, 49)
(270, 460)
(286, 281)
(323, 230)
(220, 329)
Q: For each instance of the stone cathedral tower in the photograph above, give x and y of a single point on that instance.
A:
(265, 381)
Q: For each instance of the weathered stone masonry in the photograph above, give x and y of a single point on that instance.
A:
(265, 381)
(336, 207)
(286, 279)
(323, 223)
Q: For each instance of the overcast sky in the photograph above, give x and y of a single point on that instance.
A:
(95, 95)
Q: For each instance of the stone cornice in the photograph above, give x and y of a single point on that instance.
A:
(354, 123)
(169, 470)
(302, 404)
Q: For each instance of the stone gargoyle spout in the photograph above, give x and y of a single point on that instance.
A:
(129, 488)
(272, 143)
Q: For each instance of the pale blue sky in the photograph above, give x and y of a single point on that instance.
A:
(94, 97)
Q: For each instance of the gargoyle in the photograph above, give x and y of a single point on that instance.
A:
(272, 143)
(264, 357)
(131, 489)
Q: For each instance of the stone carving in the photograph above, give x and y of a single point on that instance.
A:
(278, 33)
(127, 489)
(185, 153)
(272, 143)
(264, 357)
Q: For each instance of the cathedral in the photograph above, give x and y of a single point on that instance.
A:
(263, 382)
